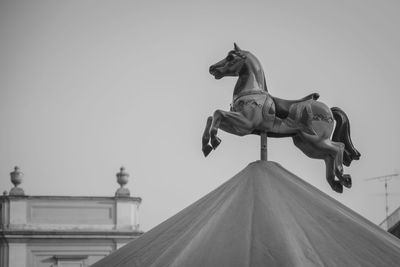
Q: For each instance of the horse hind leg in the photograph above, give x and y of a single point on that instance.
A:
(317, 149)
(206, 138)
(330, 175)
(336, 151)
(345, 179)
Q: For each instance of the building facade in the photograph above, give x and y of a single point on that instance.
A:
(65, 231)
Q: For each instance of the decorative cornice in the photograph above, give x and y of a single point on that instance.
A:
(32, 234)
(133, 199)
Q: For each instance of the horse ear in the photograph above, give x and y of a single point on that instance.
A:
(237, 48)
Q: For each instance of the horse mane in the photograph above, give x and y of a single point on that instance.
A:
(260, 75)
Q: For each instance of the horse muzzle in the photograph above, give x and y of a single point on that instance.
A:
(214, 71)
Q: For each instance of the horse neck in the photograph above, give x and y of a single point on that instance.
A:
(251, 78)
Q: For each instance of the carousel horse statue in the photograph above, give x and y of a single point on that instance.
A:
(254, 111)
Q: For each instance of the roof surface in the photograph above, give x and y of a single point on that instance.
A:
(263, 216)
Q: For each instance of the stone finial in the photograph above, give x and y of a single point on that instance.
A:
(16, 179)
(122, 179)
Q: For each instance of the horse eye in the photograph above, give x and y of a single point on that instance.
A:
(230, 58)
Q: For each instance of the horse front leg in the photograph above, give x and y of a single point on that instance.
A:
(216, 120)
(206, 138)
(231, 122)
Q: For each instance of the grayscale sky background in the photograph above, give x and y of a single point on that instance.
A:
(88, 86)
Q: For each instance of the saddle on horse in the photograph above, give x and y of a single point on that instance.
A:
(282, 106)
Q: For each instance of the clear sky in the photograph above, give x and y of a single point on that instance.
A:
(88, 86)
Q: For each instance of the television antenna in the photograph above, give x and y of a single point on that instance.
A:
(386, 179)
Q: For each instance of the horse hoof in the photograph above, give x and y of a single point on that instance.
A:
(215, 142)
(337, 187)
(347, 180)
(207, 150)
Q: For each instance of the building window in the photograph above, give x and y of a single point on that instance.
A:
(71, 260)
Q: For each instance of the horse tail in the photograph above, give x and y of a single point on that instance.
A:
(342, 134)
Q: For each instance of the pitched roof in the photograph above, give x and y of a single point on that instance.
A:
(263, 216)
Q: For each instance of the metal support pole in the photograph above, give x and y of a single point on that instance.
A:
(386, 200)
(264, 146)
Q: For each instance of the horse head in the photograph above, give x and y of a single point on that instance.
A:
(242, 64)
(231, 65)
